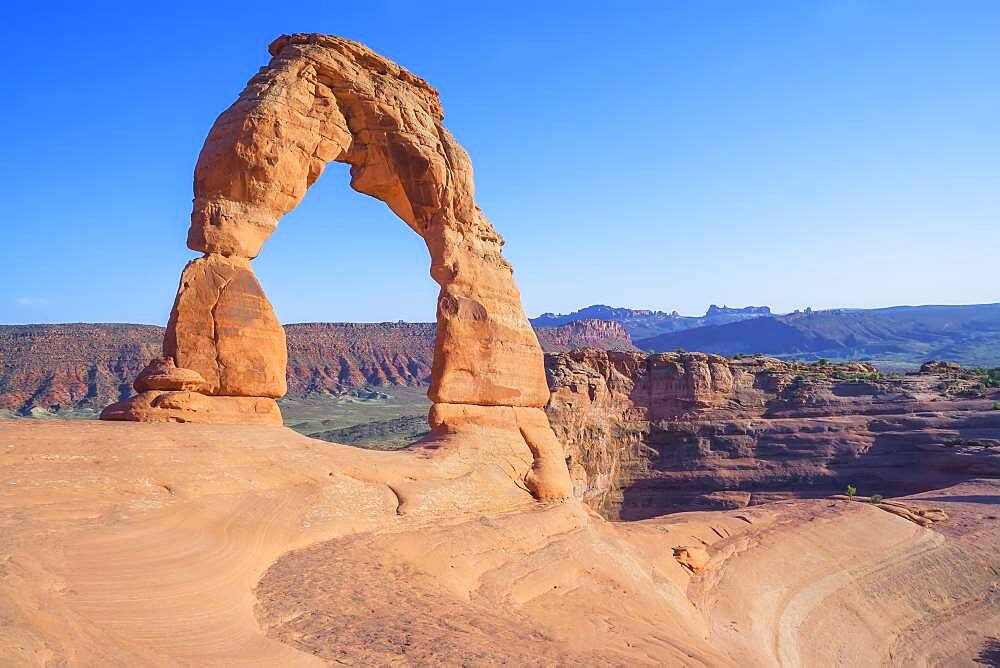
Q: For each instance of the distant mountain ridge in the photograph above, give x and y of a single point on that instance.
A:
(87, 366)
(898, 336)
(644, 323)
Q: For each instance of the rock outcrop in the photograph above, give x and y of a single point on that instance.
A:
(323, 99)
(649, 434)
(223, 327)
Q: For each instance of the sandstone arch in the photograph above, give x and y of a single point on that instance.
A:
(323, 99)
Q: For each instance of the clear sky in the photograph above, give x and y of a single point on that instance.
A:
(660, 155)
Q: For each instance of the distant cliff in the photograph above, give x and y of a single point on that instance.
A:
(604, 334)
(649, 434)
(74, 366)
(643, 323)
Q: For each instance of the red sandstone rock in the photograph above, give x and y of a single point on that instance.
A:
(649, 434)
(182, 406)
(162, 374)
(323, 98)
(601, 334)
(223, 327)
(320, 99)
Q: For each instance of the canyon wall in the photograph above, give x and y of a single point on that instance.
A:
(84, 366)
(649, 434)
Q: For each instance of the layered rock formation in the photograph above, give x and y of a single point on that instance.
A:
(649, 434)
(602, 334)
(322, 99)
(46, 367)
(81, 367)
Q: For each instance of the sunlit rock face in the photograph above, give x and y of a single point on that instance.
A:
(323, 99)
(651, 434)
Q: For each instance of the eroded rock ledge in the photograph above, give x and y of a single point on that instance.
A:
(650, 434)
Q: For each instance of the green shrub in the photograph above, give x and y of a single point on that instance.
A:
(679, 350)
(876, 498)
(823, 361)
(851, 491)
(953, 441)
(996, 405)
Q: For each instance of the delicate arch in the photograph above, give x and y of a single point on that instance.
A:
(323, 99)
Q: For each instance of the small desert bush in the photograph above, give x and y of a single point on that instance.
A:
(876, 498)
(996, 405)
(851, 491)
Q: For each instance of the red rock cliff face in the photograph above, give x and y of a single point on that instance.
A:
(90, 365)
(603, 334)
(649, 434)
(68, 366)
(329, 357)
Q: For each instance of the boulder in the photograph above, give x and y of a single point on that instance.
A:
(163, 374)
(183, 406)
(223, 327)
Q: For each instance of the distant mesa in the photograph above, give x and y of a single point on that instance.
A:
(898, 337)
(644, 323)
(323, 99)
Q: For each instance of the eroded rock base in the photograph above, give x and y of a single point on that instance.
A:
(187, 406)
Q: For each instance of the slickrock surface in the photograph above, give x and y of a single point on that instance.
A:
(653, 434)
(213, 545)
(88, 366)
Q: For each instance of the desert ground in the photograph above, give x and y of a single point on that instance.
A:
(187, 544)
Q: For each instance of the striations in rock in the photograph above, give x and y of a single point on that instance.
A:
(602, 334)
(53, 367)
(649, 434)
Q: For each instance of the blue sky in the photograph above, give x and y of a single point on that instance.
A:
(661, 155)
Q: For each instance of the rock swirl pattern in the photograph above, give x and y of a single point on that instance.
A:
(322, 99)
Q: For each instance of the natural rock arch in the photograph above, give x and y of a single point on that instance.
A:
(323, 99)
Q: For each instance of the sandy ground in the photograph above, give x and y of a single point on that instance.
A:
(166, 544)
